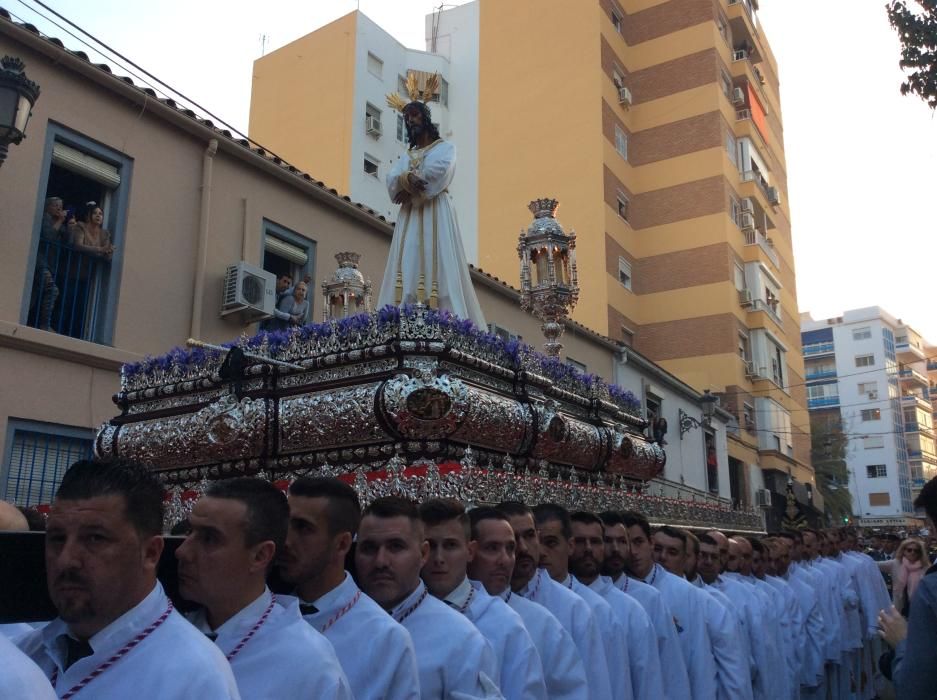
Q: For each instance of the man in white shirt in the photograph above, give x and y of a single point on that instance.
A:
(452, 656)
(324, 517)
(733, 667)
(535, 584)
(103, 545)
(237, 528)
(585, 562)
(450, 550)
(492, 566)
(617, 556)
(555, 530)
(684, 601)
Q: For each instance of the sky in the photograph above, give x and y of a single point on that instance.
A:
(861, 158)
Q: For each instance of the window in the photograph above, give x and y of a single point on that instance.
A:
(880, 499)
(401, 129)
(739, 277)
(402, 86)
(576, 364)
(777, 365)
(869, 389)
(371, 165)
(744, 349)
(286, 252)
(623, 205)
(712, 462)
(624, 273)
(375, 66)
(616, 21)
(723, 25)
(72, 289)
(870, 414)
(873, 442)
(875, 471)
(501, 332)
(627, 336)
(732, 147)
(725, 80)
(618, 77)
(735, 211)
(865, 360)
(37, 459)
(443, 91)
(621, 142)
(748, 417)
(372, 120)
(861, 333)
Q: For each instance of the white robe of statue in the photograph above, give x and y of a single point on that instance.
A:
(427, 247)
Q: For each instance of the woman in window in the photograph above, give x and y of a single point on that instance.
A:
(906, 570)
(292, 309)
(89, 234)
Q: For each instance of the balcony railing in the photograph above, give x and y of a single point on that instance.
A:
(68, 290)
(757, 177)
(820, 374)
(822, 401)
(770, 309)
(916, 400)
(819, 349)
(756, 237)
(909, 373)
(932, 365)
(741, 114)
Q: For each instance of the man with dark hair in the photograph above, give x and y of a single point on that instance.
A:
(451, 655)
(617, 555)
(572, 611)
(731, 655)
(554, 528)
(237, 529)
(492, 565)
(520, 673)
(683, 599)
(585, 562)
(914, 671)
(103, 546)
(324, 516)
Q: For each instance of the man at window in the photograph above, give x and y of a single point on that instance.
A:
(45, 291)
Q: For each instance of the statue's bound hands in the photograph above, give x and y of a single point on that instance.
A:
(416, 183)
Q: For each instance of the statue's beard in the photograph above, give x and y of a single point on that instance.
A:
(416, 133)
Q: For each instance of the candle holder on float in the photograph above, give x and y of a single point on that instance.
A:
(347, 293)
(549, 279)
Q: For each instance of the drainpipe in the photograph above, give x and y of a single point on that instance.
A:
(201, 258)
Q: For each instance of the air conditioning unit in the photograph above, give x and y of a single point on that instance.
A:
(746, 205)
(873, 395)
(249, 291)
(748, 221)
(774, 197)
(745, 297)
(372, 125)
(750, 372)
(763, 498)
(624, 96)
(738, 96)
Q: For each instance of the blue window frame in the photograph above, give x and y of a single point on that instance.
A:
(37, 456)
(70, 291)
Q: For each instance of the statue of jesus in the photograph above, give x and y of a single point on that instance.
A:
(426, 264)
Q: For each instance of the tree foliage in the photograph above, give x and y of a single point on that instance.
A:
(916, 24)
(828, 443)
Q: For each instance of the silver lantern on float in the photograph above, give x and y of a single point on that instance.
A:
(347, 293)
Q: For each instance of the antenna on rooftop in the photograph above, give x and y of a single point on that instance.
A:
(264, 38)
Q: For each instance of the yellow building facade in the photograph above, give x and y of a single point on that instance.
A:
(657, 125)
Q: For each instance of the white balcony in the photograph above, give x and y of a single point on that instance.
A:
(755, 237)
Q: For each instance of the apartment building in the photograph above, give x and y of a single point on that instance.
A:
(184, 201)
(656, 123)
(874, 374)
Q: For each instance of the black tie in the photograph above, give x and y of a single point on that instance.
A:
(307, 609)
(76, 650)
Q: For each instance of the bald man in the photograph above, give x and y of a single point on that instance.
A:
(11, 519)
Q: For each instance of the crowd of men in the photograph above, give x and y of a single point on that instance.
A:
(439, 602)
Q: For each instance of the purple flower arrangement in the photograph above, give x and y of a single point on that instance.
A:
(511, 352)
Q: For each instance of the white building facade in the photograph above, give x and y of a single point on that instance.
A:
(869, 370)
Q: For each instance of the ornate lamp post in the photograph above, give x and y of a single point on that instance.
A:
(347, 293)
(18, 94)
(549, 280)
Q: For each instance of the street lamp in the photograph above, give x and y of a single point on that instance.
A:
(688, 422)
(549, 279)
(18, 94)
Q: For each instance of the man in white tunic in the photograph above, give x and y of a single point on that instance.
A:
(554, 528)
(426, 263)
(237, 529)
(452, 656)
(572, 611)
(733, 664)
(445, 574)
(324, 517)
(684, 601)
(585, 562)
(117, 633)
(492, 565)
(617, 557)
